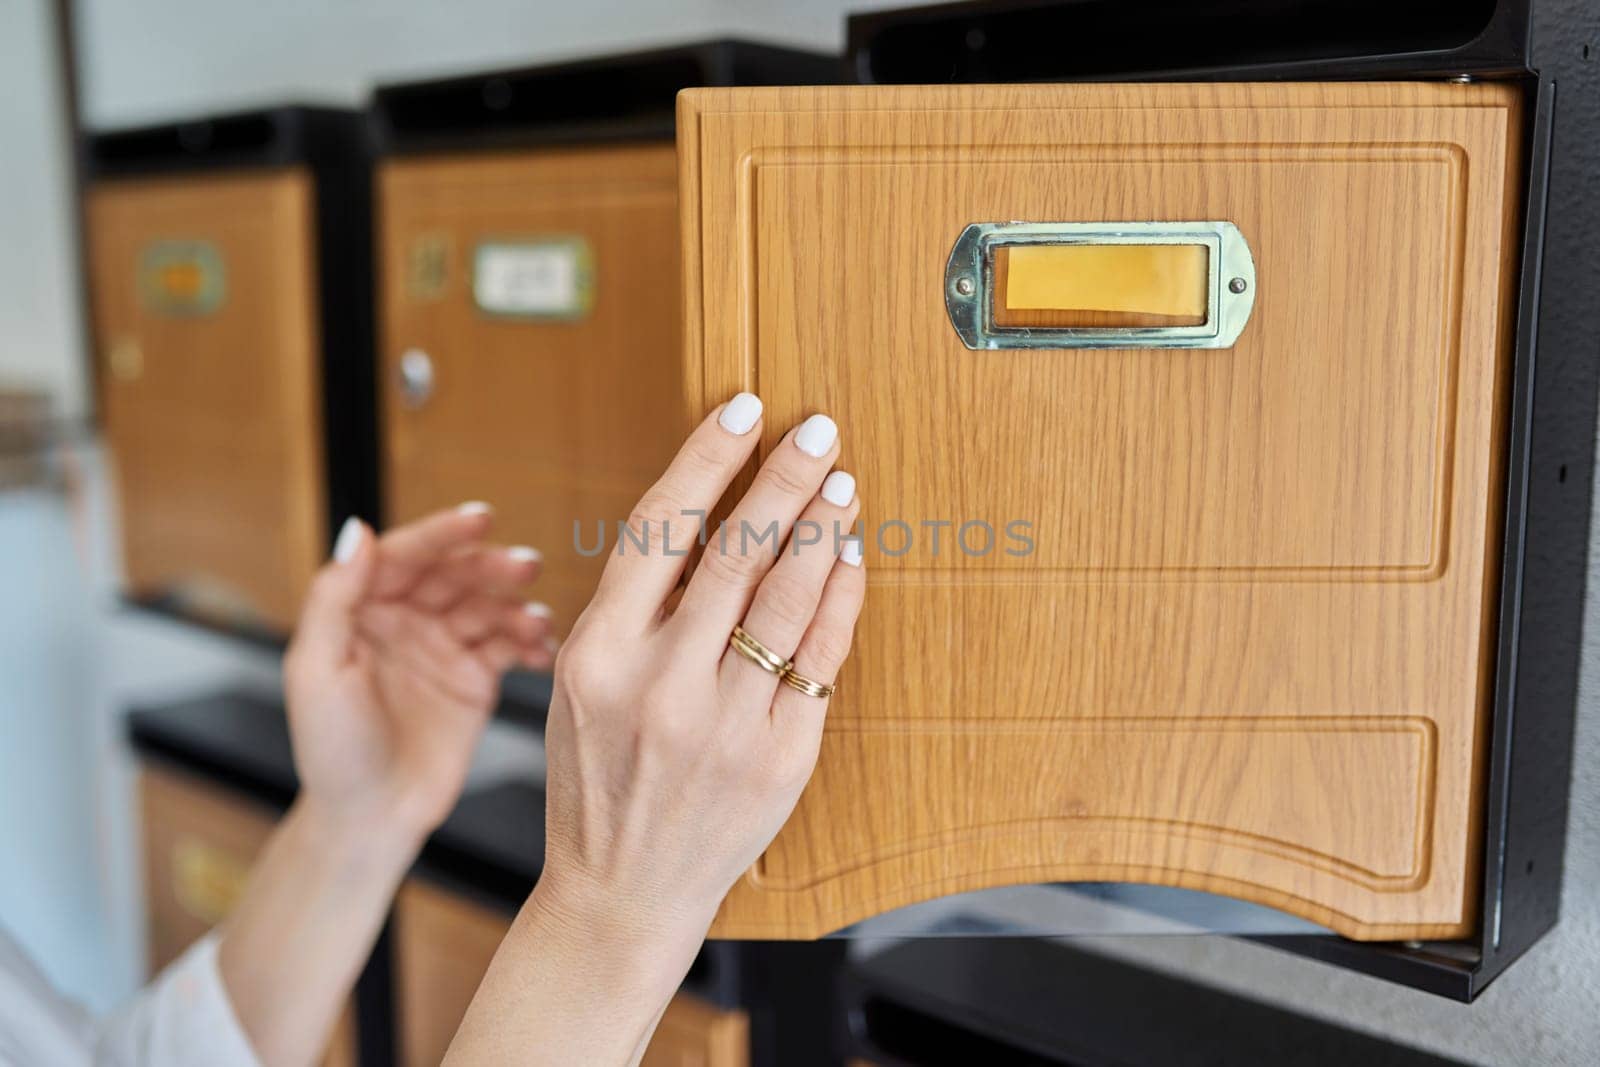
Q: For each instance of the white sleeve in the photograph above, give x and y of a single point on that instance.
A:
(182, 1019)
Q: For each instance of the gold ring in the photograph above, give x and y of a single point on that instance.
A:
(806, 685)
(757, 653)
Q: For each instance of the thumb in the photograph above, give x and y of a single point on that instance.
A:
(327, 621)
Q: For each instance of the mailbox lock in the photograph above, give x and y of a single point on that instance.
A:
(126, 359)
(416, 377)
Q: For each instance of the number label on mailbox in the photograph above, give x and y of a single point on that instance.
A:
(542, 278)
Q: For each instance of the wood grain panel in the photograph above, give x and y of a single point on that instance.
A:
(199, 844)
(214, 419)
(693, 1033)
(554, 422)
(444, 944)
(1242, 642)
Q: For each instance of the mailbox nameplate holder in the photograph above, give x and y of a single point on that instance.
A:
(549, 277)
(969, 284)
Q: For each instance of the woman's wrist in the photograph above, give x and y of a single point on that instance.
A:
(634, 940)
(370, 836)
(582, 976)
(317, 897)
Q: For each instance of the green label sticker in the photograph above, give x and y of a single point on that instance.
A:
(536, 278)
(182, 278)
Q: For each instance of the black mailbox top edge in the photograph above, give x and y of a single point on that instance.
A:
(1154, 40)
(268, 137)
(624, 97)
(231, 736)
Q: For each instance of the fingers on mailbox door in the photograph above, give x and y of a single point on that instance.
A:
(796, 716)
(740, 553)
(788, 597)
(652, 550)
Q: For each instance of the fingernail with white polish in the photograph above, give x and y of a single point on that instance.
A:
(537, 609)
(740, 413)
(475, 507)
(850, 551)
(351, 534)
(524, 554)
(816, 436)
(839, 488)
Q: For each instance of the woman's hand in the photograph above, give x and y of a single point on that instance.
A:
(391, 677)
(395, 667)
(674, 759)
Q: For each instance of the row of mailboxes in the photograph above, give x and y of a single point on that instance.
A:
(1212, 391)
(530, 293)
(527, 303)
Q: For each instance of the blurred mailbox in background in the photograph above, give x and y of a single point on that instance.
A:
(230, 265)
(531, 285)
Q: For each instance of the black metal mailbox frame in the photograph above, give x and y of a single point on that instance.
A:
(625, 97)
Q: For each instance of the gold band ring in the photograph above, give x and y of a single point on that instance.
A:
(806, 685)
(757, 653)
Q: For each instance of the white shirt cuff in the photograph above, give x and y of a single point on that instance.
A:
(183, 1019)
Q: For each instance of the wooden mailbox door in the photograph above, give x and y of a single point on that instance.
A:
(540, 293)
(443, 946)
(1243, 640)
(203, 291)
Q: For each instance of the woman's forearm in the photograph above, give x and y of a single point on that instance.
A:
(675, 750)
(293, 947)
(573, 984)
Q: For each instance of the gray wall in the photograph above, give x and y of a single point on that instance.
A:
(160, 57)
(39, 325)
(164, 57)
